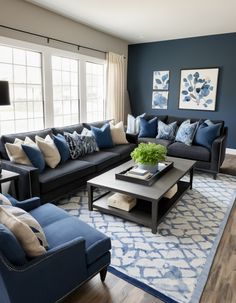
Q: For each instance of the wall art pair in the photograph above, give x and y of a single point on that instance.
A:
(198, 89)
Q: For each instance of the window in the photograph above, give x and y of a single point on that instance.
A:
(95, 91)
(23, 70)
(65, 90)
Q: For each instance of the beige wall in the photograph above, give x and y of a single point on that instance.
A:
(26, 16)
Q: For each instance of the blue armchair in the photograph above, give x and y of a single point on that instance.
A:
(76, 253)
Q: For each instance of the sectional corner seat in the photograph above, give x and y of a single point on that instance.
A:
(52, 184)
(207, 160)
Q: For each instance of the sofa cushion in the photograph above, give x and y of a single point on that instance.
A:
(186, 132)
(10, 247)
(148, 128)
(155, 140)
(101, 159)
(11, 138)
(103, 136)
(118, 133)
(68, 129)
(35, 156)
(206, 134)
(63, 174)
(16, 153)
(123, 150)
(166, 131)
(193, 152)
(133, 124)
(62, 147)
(49, 150)
(59, 228)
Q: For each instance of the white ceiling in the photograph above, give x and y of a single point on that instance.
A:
(149, 20)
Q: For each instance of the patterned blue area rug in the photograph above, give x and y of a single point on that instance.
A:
(173, 264)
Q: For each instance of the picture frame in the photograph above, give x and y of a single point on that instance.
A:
(160, 99)
(161, 80)
(198, 89)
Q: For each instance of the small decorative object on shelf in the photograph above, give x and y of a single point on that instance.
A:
(147, 156)
(121, 201)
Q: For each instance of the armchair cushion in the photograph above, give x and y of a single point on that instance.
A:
(60, 228)
(10, 247)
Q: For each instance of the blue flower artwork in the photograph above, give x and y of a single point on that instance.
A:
(161, 80)
(159, 100)
(198, 89)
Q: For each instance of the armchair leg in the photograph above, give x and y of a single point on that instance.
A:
(103, 274)
(214, 176)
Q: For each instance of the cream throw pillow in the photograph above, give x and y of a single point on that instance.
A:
(118, 133)
(16, 153)
(4, 200)
(49, 150)
(22, 231)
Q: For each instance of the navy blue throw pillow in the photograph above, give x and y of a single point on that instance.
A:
(103, 136)
(10, 247)
(35, 156)
(148, 129)
(62, 147)
(206, 134)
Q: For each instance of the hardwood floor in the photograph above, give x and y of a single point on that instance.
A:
(220, 288)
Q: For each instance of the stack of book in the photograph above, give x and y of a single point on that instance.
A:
(121, 201)
(139, 173)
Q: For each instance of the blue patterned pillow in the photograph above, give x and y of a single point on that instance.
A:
(89, 144)
(148, 129)
(74, 143)
(186, 132)
(166, 131)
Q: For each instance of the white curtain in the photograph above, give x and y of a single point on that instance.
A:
(115, 87)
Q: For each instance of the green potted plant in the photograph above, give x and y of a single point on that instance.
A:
(147, 155)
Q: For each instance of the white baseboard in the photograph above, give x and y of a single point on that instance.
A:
(231, 151)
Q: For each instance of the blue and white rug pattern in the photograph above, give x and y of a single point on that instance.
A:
(176, 261)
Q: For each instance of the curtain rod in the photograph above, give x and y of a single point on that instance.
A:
(53, 39)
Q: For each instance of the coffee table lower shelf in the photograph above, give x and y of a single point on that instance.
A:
(142, 212)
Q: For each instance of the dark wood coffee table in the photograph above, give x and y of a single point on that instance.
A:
(151, 203)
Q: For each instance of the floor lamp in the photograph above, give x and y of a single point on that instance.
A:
(4, 100)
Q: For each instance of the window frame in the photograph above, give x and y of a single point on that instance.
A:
(47, 84)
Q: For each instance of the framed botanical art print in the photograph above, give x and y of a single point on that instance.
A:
(198, 89)
(159, 99)
(161, 80)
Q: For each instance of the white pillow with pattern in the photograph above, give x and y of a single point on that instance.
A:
(25, 228)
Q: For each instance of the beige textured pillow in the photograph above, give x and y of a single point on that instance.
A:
(4, 200)
(16, 153)
(49, 150)
(118, 133)
(21, 230)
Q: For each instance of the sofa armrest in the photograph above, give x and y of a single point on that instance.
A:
(65, 265)
(218, 151)
(28, 180)
(132, 138)
(29, 204)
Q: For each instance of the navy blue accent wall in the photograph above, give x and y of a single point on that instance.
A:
(174, 55)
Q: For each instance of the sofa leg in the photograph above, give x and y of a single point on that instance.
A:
(103, 274)
(214, 176)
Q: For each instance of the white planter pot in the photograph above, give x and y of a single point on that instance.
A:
(149, 167)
